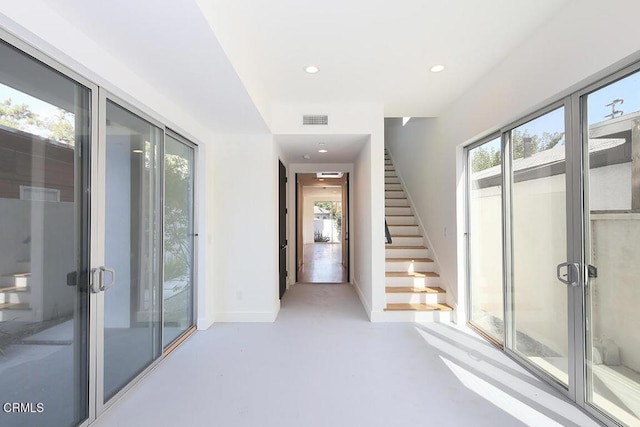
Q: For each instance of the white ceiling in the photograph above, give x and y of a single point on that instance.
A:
(329, 193)
(370, 50)
(226, 62)
(340, 148)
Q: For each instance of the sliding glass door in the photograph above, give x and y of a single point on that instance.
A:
(45, 146)
(538, 243)
(179, 238)
(130, 329)
(485, 239)
(570, 194)
(611, 144)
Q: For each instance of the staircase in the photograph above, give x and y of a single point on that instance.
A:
(411, 282)
(14, 295)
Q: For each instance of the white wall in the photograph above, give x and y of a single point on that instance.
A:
(552, 62)
(243, 221)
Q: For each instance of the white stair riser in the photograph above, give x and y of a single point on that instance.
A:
(389, 173)
(390, 203)
(407, 253)
(394, 195)
(19, 281)
(389, 180)
(409, 230)
(417, 316)
(14, 297)
(392, 186)
(397, 210)
(418, 282)
(408, 266)
(414, 298)
(23, 265)
(401, 220)
(406, 241)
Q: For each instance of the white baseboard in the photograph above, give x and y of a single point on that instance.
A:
(367, 307)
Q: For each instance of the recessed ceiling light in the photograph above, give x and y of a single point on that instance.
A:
(437, 68)
(312, 69)
(137, 151)
(322, 151)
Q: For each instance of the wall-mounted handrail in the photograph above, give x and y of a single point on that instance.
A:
(386, 233)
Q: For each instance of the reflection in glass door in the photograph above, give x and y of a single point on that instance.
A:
(131, 325)
(612, 226)
(44, 232)
(538, 300)
(178, 239)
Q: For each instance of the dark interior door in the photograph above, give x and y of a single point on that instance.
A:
(282, 227)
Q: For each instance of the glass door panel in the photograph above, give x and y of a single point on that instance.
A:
(485, 239)
(539, 244)
(178, 239)
(132, 295)
(612, 293)
(44, 257)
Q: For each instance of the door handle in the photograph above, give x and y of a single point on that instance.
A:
(112, 272)
(97, 279)
(571, 279)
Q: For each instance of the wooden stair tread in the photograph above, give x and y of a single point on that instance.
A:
(15, 306)
(417, 307)
(14, 289)
(414, 290)
(409, 259)
(414, 274)
(401, 215)
(403, 235)
(18, 275)
(407, 247)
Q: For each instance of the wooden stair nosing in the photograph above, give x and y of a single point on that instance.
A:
(415, 274)
(414, 290)
(407, 247)
(400, 215)
(417, 307)
(14, 289)
(405, 259)
(15, 306)
(403, 235)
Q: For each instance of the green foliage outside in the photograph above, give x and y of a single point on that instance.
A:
(483, 158)
(58, 128)
(177, 217)
(335, 212)
(318, 237)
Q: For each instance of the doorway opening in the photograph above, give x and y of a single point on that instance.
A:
(322, 228)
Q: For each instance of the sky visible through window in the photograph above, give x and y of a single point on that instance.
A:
(44, 110)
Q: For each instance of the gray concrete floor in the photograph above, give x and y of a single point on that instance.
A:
(322, 363)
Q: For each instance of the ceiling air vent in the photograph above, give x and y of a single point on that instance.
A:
(316, 119)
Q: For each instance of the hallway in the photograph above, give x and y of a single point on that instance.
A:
(322, 264)
(322, 363)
